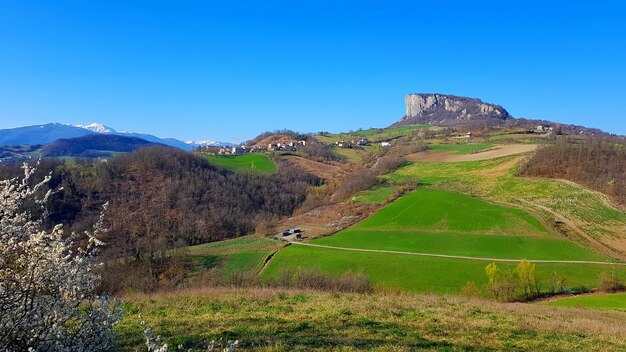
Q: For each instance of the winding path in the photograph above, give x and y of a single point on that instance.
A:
(456, 256)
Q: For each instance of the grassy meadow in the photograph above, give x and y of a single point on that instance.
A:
(434, 210)
(250, 162)
(373, 134)
(611, 301)
(441, 222)
(403, 272)
(279, 320)
(587, 214)
(378, 194)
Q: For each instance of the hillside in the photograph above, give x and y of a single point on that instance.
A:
(94, 145)
(288, 320)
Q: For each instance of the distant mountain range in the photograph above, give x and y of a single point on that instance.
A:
(48, 133)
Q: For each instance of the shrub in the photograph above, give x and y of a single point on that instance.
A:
(610, 282)
(471, 290)
(527, 279)
(358, 180)
(501, 283)
(557, 283)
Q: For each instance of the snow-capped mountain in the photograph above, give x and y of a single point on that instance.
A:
(48, 133)
(97, 127)
(210, 143)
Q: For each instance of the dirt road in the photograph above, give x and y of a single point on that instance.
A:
(455, 256)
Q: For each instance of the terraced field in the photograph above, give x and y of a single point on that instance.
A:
(251, 162)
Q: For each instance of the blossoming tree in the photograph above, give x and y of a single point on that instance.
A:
(48, 297)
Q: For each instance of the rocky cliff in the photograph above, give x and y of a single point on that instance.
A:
(441, 109)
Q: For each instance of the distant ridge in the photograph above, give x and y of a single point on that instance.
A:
(94, 145)
(48, 133)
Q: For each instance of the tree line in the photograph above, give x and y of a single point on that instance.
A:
(598, 163)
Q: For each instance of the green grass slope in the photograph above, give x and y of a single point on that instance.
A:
(373, 134)
(440, 222)
(239, 255)
(251, 162)
(613, 301)
(434, 210)
(378, 194)
(401, 272)
(486, 246)
(495, 181)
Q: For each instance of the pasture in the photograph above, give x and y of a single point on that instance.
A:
(439, 222)
(248, 162)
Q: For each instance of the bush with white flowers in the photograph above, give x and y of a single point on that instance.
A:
(48, 298)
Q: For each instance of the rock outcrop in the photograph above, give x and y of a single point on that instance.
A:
(441, 109)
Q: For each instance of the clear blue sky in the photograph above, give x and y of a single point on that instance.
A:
(232, 69)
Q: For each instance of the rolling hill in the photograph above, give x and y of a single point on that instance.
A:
(94, 145)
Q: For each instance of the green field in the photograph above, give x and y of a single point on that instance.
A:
(434, 210)
(239, 255)
(399, 272)
(466, 148)
(489, 246)
(439, 222)
(378, 194)
(250, 162)
(613, 301)
(495, 181)
(373, 134)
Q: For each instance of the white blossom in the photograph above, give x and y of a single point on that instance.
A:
(48, 299)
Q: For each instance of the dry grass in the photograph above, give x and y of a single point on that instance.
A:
(285, 320)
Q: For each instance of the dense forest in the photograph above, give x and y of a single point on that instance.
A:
(161, 198)
(598, 163)
(94, 145)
